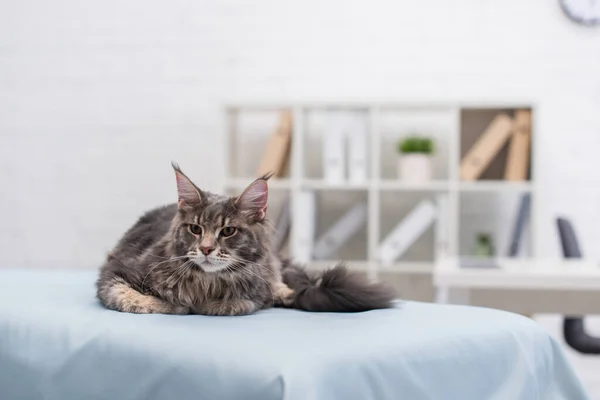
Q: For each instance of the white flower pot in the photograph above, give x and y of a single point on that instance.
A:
(415, 168)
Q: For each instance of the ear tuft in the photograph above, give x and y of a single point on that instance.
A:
(188, 193)
(254, 199)
(266, 176)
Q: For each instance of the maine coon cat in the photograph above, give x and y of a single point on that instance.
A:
(212, 254)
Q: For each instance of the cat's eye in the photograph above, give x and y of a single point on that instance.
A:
(228, 231)
(195, 229)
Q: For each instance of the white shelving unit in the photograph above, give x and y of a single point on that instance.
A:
(243, 158)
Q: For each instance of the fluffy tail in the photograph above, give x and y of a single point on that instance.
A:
(335, 290)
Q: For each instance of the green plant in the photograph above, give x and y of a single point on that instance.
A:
(484, 246)
(416, 144)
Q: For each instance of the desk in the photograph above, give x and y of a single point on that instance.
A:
(453, 282)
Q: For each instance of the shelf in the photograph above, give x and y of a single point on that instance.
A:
(242, 183)
(496, 186)
(363, 266)
(466, 207)
(433, 186)
(416, 267)
(319, 184)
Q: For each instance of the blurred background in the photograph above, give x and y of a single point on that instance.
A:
(96, 99)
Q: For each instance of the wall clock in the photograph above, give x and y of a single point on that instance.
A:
(583, 12)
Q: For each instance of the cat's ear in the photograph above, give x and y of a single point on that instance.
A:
(254, 198)
(188, 193)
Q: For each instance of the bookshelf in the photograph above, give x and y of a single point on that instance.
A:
(488, 203)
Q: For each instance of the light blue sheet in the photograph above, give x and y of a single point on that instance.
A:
(58, 343)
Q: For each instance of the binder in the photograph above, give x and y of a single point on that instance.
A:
(334, 149)
(407, 232)
(304, 217)
(340, 232)
(486, 147)
(519, 226)
(358, 148)
(278, 147)
(517, 163)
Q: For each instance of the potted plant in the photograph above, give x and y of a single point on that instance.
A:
(414, 163)
(484, 246)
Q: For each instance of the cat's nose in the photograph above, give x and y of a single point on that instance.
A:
(206, 250)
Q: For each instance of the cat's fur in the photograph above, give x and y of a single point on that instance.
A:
(160, 266)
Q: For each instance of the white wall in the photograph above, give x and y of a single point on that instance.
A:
(97, 97)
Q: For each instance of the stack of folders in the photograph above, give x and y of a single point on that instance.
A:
(345, 158)
(345, 147)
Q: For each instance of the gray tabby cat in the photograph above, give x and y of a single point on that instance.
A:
(212, 254)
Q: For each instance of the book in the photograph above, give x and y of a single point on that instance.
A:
(334, 148)
(282, 225)
(517, 163)
(407, 232)
(278, 147)
(519, 226)
(304, 216)
(357, 148)
(340, 232)
(481, 154)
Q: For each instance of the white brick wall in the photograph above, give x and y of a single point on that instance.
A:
(97, 97)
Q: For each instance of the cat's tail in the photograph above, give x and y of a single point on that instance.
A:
(335, 290)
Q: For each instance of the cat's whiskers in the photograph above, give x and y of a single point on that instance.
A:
(171, 259)
(241, 260)
(179, 272)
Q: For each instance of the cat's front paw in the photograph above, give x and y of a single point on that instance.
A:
(283, 295)
(229, 308)
(180, 310)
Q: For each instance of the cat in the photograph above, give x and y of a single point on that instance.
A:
(213, 255)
